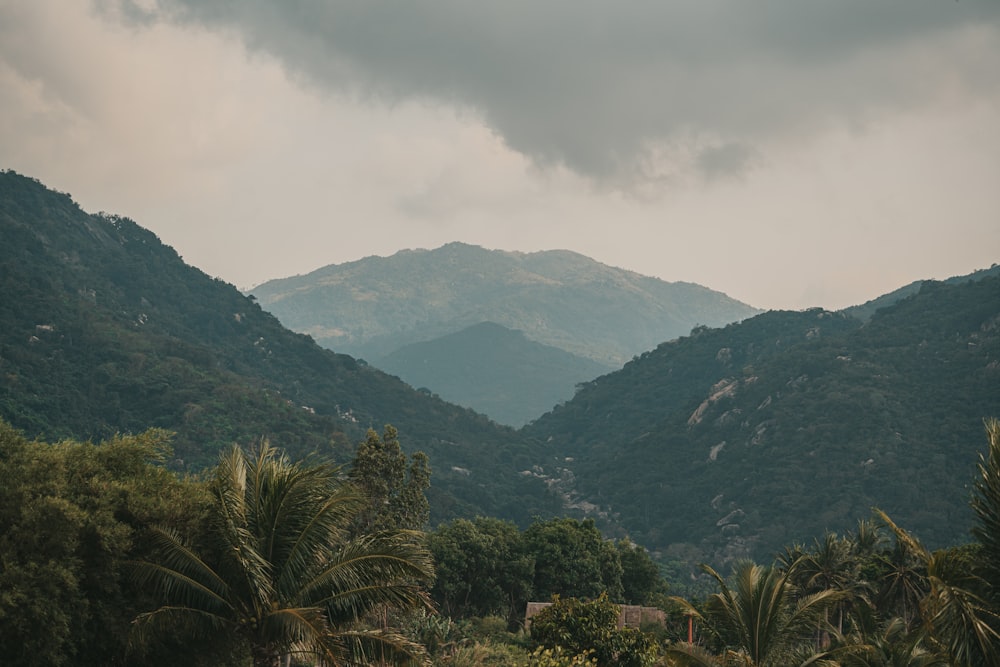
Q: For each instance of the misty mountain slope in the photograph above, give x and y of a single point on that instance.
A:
(738, 441)
(493, 370)
(104, 329)
(373, 306)
(865, 310)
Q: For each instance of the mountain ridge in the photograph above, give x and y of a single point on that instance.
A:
(372, 306)
(104, 329)
(494, 370)
(723, 443)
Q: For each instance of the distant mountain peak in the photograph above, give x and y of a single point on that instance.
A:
(561, 298)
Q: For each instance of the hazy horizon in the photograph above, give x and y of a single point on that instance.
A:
(789, 155)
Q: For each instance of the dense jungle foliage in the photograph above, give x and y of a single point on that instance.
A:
(108, 558)
(789, 424)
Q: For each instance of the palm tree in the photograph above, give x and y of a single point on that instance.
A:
(891, 644)
(957, 617)
(285, 578)
(831, 565)
(866, 540)
(759, 621)
(902, 582)
(986, 504)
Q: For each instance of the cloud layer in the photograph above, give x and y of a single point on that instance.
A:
(788, 153)
(636, 90)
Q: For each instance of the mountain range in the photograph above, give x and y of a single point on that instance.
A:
(719, 443)
(387, 310)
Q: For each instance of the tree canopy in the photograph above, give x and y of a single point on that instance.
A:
(282, 574)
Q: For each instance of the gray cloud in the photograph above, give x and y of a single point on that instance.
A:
(594, 85)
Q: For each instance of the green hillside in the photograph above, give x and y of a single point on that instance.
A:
(493, 370)
(737, 441)
(865, 310)
(104, 329)
(723, 443)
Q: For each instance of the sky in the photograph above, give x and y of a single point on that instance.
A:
(791, 154)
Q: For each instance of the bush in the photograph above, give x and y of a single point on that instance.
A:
(590, 629)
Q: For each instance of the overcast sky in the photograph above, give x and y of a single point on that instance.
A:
(788, 153)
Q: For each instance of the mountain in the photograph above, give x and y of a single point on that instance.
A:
(104, 329)
(493, 370)
(723, 443)
(865, 310)
(374, 306)
(737, 441)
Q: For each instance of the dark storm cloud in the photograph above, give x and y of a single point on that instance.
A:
(593, 85)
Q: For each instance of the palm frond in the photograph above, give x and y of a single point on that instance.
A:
(180, 574)
(911, 543)
(691, 655)
(963, 622)
(236, 498)
(386, 567)
(294, 626)
(363, 647)
(325, 530)
(176, 621)
(986, 505)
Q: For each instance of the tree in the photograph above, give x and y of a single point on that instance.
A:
(483, 569)
(641, 578)
(986, 505)
(281, 575)
(830, 565)
(758, 622)
(396, 495)
(954, 610)
(891, 644)
(902, 581)
(572, 559)
(591, 629)
(71, 516)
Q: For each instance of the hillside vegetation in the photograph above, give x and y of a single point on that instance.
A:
(734, 441)
(103, 329)
(723, 443)
(493, 370)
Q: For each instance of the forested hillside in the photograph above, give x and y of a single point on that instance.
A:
(104, 329)
(736, 441)
(726, 442)
(493, 370)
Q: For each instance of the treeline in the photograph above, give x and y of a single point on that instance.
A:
(487, 567)
(96, 538)
(108, 558)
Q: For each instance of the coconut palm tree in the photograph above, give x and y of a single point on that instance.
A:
(891, 644)
(957, 616)
(986, 504)
(902, 582)
(759, 621)
(831, 565)
(283, 577)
